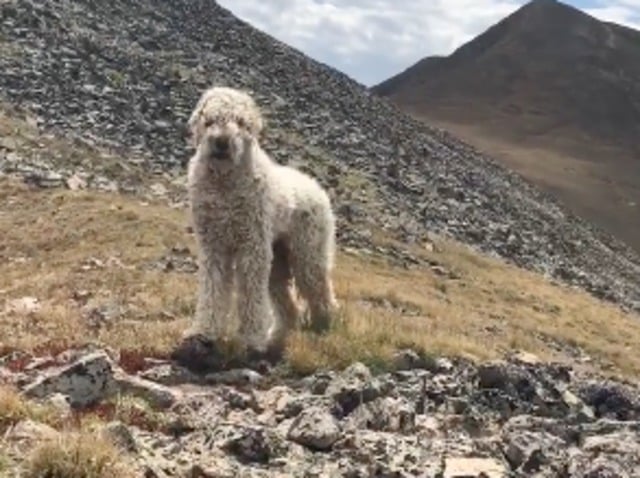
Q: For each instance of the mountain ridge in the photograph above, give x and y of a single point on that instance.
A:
(550, 91)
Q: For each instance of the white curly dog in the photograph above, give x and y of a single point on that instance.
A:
(258, 225)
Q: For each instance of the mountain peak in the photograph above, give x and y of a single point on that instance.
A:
(550, 76)
(547, 8)
(543, 3)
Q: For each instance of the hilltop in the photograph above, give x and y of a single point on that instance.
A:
(552, 93)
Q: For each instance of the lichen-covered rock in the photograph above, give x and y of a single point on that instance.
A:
(85, 381)
(354, 387)
(120, 435)
(315, 428)
(384, 414)
(158, 395)
(516, 418)
(463, 467)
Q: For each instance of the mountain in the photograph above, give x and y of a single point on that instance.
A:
(125, 76)
(552, 93)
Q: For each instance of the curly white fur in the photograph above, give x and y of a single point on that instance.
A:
(258, 225)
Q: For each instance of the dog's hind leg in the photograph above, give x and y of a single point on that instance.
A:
(286, 309)
(312, 249)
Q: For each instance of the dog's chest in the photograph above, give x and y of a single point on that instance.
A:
(227, 218)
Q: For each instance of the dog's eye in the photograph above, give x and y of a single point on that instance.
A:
(241, 123)
(208, 122)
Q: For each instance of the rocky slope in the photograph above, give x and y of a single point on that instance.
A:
(513, 418)
(125, 75)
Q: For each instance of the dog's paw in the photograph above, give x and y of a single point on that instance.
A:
(261, 361)
(199, 354)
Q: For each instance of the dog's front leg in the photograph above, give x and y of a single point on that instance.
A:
(213, 306)
(255, 309)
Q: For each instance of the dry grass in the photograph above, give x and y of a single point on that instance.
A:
(600, 183)
(489, 308)
(127, 409)
(76, 454)
(67, 248)
(79, 450)
(5, 463)
(14, 408)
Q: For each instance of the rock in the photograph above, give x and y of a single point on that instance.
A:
(385, 414)
(318, 383)
(76, 183)
(622, 443)
(530, 452)
(526, 358)
(611, 400)
(250, 445)
(357, 371)
(61, 403)
(23, 305)
(39, 363)
(353, 387)
(443, 365)
(197, 471)
(494, 375)
(275, 398)
(239, 400)
(522, 419)
(583, 411)
(169, 374)
(6, 376)
(86, 381)
(30, 431)
(8, 143)
(198, 354)
(156, 394)
(461, 467)
(241, 376)
(120, 435)
(158, 189)
(45, 179)
(408, 359)
(315, 428)
(292, 406)
(600, 467)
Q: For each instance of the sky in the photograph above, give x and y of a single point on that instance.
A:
(372, 40)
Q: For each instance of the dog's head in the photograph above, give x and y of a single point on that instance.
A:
(224, 124)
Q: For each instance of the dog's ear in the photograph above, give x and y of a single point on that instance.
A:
(194, 124)
(194, 130)
(259, 125)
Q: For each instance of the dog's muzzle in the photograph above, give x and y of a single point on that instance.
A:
(220, 147)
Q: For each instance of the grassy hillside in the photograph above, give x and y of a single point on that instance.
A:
(82, 266)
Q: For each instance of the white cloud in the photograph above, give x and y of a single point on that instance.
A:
(623, 12)
(371, 40)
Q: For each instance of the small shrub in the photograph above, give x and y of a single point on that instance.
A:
(14, 408)
(76, 455)
(4, 463)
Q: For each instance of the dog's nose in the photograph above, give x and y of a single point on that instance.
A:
(221, 143)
